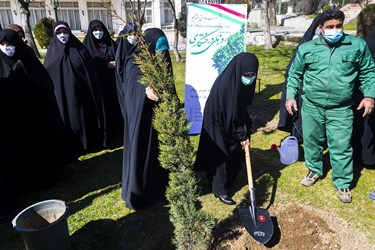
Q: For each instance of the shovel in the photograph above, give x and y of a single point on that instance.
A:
(257, 221)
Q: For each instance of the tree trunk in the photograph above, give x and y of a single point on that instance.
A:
(25, 20)
(272, 13)
(175, 32)
(175, 42)
(267, 27)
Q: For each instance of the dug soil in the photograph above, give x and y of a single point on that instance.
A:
(297, 226)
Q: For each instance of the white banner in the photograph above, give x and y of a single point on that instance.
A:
(215, 34)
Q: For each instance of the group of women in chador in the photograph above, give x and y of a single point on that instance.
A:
(53, 113)
(32, 135)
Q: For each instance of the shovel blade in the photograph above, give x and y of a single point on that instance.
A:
(262, 228)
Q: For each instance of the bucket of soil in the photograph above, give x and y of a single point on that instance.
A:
(44, 225)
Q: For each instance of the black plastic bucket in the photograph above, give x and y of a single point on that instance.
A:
(44, 226)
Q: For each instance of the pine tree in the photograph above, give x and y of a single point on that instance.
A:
(192, 226)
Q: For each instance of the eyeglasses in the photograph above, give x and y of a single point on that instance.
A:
(337, 26)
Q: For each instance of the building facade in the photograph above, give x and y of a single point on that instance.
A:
(78, 13)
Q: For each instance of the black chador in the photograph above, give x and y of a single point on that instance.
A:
(32, 136)
(143, 181)
(226, 123)
(103, 51)
(77, 89)
(363, 140)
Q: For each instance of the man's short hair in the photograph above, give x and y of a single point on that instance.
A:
(331, 14)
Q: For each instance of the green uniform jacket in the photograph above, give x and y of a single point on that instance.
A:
(329, 74)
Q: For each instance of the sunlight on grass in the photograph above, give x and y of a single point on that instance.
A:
(92, 188)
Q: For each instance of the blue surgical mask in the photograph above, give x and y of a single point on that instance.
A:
(248, 80)
(333, 36)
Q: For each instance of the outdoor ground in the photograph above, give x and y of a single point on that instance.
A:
(297, 227)
(304, 218)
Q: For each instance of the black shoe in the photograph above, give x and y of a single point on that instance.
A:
(227, 200)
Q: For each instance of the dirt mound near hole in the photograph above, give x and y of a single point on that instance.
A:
(297, 226)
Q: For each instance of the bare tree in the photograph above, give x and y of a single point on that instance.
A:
(136, 16)
(137, 13)
(175, 32)
(25, 23)
(265, 7)
(272, 12)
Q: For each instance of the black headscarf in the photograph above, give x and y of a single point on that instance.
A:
(104, 48)
(144, 180)
(77, 90)
(286, 122)
(226, 119)
(153, 34)
(102, 52)
(32, 141)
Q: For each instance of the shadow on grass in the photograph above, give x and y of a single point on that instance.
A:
(146, 229)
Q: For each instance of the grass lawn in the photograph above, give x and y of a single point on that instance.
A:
(98, 217)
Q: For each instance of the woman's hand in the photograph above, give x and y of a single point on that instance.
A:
(244, 144)
(111, 65)
(151, 94)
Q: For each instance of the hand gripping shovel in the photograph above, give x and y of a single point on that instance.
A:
(256, 221)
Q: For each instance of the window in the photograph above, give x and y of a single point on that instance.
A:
(167, 13)
(148, 12)
(37, 12)
(69, 12)
(97, 11)
(5, 13)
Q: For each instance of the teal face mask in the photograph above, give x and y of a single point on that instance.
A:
(248, 80)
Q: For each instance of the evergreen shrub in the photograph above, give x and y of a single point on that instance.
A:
(43, 31)
(182, 21)
(192, 226)
(366, 20)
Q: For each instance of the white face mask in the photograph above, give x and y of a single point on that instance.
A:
(98, 34)
(8, 50)
(132, 39)
(63, 37)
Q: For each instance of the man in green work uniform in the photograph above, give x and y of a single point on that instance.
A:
(327, 68)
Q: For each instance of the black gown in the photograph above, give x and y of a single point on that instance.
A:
(363, 140)
(102, 52)
(77, 92)
(32, 139)
(226, 123)
(143, 179)
(288, 123)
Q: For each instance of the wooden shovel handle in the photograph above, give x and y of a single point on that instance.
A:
(248, 167)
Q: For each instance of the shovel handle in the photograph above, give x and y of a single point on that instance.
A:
(248, 167)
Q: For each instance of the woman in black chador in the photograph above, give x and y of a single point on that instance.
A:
(103, 51)
(77, 89)
(143, 180)
(363, 140)
(226, 125)
(32, 142)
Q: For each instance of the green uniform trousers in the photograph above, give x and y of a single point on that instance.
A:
(334, 125)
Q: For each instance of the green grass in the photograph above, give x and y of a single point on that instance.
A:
(352, 25)
(98, 216)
